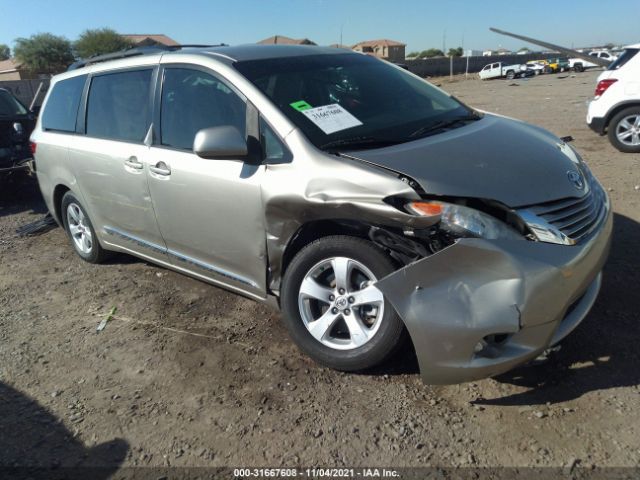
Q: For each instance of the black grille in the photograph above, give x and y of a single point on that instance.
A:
(575, 217)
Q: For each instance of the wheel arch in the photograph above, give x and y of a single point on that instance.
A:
(316, 229)
(58, 193)
(617, 109)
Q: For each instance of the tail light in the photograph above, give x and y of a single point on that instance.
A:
(32, 146)
(603, 85)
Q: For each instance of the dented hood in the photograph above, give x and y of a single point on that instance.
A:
(493, 158)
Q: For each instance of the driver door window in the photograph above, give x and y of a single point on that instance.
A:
(193, 100)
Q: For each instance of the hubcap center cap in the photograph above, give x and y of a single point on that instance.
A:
(342, 303)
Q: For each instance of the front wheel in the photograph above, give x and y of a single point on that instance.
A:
(332, 308)
(624, 130)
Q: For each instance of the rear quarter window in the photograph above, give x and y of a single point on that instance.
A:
(627, 55)
(61, 109)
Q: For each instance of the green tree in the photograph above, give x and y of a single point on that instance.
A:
(44, 53)
(5, 52)
(432, 52)
(413, 55)
(455, 52)
(100, 41)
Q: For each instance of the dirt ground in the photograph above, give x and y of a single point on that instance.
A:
(187, 374)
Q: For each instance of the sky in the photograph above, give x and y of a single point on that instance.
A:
(421, 24)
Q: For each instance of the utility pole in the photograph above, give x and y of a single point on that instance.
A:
(444, 42)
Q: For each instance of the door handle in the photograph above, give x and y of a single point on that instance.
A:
(133, 163)
(161, 168)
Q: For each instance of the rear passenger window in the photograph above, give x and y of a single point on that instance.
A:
(118, 106)
(61, 109)
(193, 100)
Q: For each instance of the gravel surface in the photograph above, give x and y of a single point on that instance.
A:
(188, 374)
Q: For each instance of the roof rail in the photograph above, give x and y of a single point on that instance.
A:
(133, 52)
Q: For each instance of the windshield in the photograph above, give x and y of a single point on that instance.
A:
(627, 55)
(353, 99)
(9, 105)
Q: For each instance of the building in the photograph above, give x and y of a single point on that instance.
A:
(11, 69)
(499, 51)
(472, 53)
(150, 39)
(385, 49)
(282, 40)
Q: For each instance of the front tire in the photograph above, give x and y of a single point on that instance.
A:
(333, 311)
(80, 230)
(624, 130)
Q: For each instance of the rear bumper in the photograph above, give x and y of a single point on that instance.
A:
(529, 294)
(597, 124)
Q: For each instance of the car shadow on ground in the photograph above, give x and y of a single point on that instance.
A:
(20, 193)
(602, 353)
(35, 444)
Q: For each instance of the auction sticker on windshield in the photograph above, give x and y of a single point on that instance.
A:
(331, 118)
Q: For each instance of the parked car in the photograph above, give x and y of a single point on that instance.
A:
(615, 108)
(364, 202)
(604, 54)
(501, 70)
(556, 65)
(16, 124)
(536, 67)
(580, 65)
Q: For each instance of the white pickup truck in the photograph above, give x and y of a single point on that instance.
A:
(500, 70)
(579, 64)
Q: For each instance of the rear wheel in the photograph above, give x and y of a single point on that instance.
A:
(332, 308)
(624, 130)
(80, 230)
(547, 69)
(511, 75)
(578, 67)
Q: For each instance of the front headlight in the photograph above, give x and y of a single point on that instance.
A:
(463, 221)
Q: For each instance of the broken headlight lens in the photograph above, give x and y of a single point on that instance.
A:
(462, 221)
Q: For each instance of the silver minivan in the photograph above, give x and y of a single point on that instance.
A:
(373, 208)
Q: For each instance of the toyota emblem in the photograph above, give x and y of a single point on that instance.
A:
(576, 179)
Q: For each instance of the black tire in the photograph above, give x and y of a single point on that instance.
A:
(613, 126)
(578, 67)
(511, 75)
(391, 332)
(547, 69)
(96, 253)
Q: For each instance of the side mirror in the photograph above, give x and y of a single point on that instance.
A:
(216, 142)
(36, 110)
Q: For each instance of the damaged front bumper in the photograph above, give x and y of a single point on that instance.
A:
(481, 307)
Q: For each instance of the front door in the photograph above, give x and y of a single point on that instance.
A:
(209, 211)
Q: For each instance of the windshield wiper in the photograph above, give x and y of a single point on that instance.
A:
(435, 127)
(359, 142)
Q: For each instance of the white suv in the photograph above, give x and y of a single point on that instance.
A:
(615, 109)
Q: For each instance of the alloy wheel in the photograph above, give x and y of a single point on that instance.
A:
(628, 130)
(339, 304)
(79, 229)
